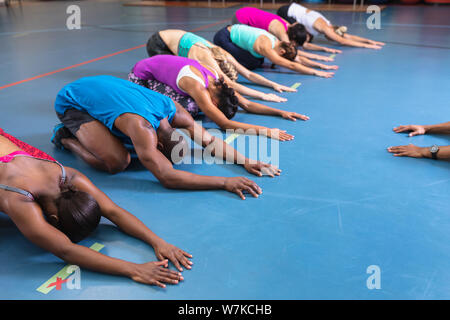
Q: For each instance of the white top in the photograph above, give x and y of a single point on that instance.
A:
(186, 71)
(300, 14)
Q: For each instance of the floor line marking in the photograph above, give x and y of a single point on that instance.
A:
(22, 34)
(63, 274)
(99, 58)
(296, 85)
(70, 67)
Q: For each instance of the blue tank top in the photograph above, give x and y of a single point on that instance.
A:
(245, 36)
(105, 98)
(187, 41)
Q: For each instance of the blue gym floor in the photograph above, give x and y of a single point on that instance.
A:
(342, 203)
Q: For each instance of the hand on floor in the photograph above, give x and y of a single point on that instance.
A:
(279, 134)
(178, 257)
(239, 185)
(293, 116)
(409, 150)
(281, 88)
(273, 98)
(324, 74)
(415, 130)
(155, 273)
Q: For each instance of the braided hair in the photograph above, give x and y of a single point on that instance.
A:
(228, 101)
(227, 68)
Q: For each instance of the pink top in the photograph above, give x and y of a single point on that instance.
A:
(257, 18)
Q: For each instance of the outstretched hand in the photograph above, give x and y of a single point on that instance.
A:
(327, 67)
(273, 97)
(155, 273)
(260, 168)
(331, 50)
(239, 185)
(322, 58)
(378, 43)
(281, 88)
(178, 257)
(324, 74)
(279, 134)
(413, 129)
(409, 150)
(293, 116)
(373, 46)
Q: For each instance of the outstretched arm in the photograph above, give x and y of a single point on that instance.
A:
(419, 152)
(145, 140)
(271, 54)
(315, 47)
(257, 78)
(309, 63)
(220, 148)
(319, 57)
(330, 34)
(130, 224)
(361, 39)
(254, 93)
(28, 217)
(254, 107)
(203, 100)
(415, 130)
(209, 62)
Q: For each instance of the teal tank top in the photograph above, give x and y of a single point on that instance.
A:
(245, 36)
(187, 41)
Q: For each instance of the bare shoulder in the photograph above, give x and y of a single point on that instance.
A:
(262, 43)
(17, 206)
(322, 26)
(171, 38)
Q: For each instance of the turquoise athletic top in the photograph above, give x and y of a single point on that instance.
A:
(187, 41)
(245, 36)
(105, 98)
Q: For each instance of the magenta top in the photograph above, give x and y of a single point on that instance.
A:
(257, 18)
(166, 68)
(11, 156)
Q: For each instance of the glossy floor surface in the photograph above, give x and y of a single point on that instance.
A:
(342, 203)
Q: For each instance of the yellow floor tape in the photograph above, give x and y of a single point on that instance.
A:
(231, 138)
(296, 85)
(63, 273)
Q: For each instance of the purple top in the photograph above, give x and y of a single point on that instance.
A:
(165, 69)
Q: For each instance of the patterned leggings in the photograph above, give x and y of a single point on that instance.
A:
(185, 101)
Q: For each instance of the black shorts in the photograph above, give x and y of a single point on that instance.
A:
(156, 45)
(283, 12)
(72, 119)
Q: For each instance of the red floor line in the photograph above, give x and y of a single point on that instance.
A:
(99, 58)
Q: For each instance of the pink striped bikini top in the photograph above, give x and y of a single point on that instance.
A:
(12, 155)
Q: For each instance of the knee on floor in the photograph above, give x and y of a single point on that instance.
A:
(116, 164)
